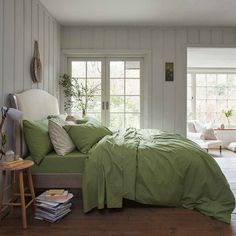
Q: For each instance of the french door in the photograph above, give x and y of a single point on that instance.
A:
(117, 100)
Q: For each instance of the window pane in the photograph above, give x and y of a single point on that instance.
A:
(232, 80)
(221, 105)
(232, 93)
(132, 120)
(200, 105)
(132, 64)
(222, 79)
(201, 92)
(117, 120)
(132, 73)
(94, 69)
(78, 69)
(200, 79)
(116, 69)
(117, 87)
(211, 92)
(211, 79)
(117, 104)
(132, 104)
(95, 85)
(132, 87)
(95, 105)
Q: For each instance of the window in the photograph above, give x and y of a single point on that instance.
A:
(117, 102)
(209, 94)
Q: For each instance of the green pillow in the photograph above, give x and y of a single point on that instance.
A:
(37, 139)
(84, 136)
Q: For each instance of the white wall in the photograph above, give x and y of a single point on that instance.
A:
(167, 99)
(21, 23)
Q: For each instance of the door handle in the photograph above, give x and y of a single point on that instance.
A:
(107, 105)
(103, 105)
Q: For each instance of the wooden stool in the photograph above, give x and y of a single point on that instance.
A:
(18, 170)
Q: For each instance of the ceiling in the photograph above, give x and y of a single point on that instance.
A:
(212, 57)
(143, 12)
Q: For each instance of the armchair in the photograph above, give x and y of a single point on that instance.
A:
(205, 137)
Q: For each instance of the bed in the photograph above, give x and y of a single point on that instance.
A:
(54, 171)
(147, 166)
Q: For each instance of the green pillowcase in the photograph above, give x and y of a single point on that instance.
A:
(37, 139)
(84, 136)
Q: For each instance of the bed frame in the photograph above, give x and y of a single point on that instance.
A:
(37, 104)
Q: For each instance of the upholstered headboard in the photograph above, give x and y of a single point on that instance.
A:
(35, 104)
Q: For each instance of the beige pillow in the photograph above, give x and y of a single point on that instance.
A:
(61, 141)
(209, 134)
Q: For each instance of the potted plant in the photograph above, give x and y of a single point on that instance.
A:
(77, 94)
(228, 114)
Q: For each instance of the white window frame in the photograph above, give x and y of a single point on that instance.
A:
(195, 71)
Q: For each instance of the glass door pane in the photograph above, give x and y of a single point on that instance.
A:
(88, 73)
(124, 79)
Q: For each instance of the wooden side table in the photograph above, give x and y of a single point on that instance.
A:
(19, 171)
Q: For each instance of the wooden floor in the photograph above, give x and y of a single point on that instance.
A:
(133, 219)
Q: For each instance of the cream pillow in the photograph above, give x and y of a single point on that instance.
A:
(209, 134)
(61, 141)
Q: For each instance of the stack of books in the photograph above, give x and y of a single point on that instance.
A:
(12, 164)
(52, 205)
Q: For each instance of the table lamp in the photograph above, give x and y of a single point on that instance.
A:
(12, 113)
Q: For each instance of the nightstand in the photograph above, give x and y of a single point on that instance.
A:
(19, 170)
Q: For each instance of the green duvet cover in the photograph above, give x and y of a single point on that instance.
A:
(152, 167)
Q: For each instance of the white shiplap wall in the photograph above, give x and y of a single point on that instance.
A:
(167, 100)
(21, 23)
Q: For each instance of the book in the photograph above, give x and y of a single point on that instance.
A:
(57, 197)
(45, 199)
(54, 192)
(11, 164)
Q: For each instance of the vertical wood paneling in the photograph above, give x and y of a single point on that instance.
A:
(35, 36)
(8, 49)
(41, 41)
(193, 36)
(46, 52)
(169, 87)
(158, 79)
(180, 82)
(27, 43)
(19, 45)
(205, 36)
(75, 37)
(228, 36)
(145, 39)
(58, 58)
(87, 38)
(51, 79)
(98, 40)
(1, 51)
(216, 36)
(110, 38)
(55, 53)
(133, 38)
(121, 41)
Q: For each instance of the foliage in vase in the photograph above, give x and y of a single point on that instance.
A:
(78, 96)
(228, 114)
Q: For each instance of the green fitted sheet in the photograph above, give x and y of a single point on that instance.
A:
(52, 163)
